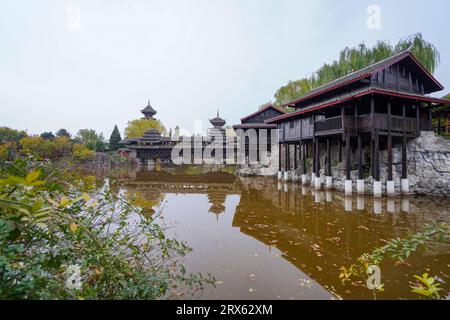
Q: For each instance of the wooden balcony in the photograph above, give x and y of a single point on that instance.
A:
(363, 123)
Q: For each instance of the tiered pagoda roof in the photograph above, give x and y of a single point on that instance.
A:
(148, 111)
(217, 122)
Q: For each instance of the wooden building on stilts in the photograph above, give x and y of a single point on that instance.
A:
(366, 111)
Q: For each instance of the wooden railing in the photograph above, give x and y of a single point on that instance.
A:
(364, 123)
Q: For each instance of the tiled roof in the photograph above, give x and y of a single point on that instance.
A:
(355, 94)
(361, 74)
(267, 106)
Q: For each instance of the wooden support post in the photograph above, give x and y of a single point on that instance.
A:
(286, 151)
(295, 156)
(257, 146)
(314, 144)
(389, 143)
(279, 157)
(360, 158)
(328, 174)
(372, 157)
(377, 157)
(417, 120)
(404, 173)
(314, 155)
(306, 150)
(340, 150)
(304, 157)
(372, 133)
(317, 158)
(347, 156)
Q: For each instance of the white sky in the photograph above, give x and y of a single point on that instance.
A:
(188, 57)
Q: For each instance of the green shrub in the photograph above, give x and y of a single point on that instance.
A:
(81, 152)
(50, 226)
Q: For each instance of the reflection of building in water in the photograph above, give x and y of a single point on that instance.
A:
(217, 200)
(319, 238)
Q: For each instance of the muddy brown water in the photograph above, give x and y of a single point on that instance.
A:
(262, 239)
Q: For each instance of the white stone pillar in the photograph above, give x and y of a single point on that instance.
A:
(348, 187)
(286, 176)
(377, 189)
(360, 186)
(318, 183)
(280, 175)
(329, 183)
(405, 186)
(304, 179)
(390, 188)
(313, 179)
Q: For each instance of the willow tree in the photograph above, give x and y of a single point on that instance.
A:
(352, 59)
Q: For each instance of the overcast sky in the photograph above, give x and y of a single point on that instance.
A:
(95, 63)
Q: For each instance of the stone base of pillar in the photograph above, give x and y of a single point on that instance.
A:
(390, 188)
(287, 175)
(405, 186)
(360, 186)
(280, 175)
(348, 187)
(318, 183)
(304, 180)
(377, 189)
(313, 179)
(329, 183)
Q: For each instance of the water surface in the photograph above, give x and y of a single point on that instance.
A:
(262, 239)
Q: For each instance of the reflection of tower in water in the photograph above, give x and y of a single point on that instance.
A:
(217, 200)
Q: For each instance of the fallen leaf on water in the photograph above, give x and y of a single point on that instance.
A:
(363, 228)
(219, 282)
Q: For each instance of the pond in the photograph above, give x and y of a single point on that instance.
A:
(262, 239)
